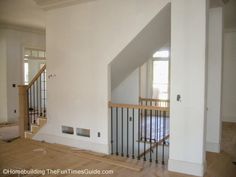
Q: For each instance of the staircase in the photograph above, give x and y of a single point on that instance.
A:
(32, 102)
(34, 128)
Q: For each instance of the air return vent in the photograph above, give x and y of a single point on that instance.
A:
(83, 132)
(67, 130)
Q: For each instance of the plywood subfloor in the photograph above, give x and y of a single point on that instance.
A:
(228, 139)
(9, 131)
(28, 154)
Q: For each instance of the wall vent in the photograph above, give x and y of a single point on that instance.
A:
(67, 130)
(83, 132)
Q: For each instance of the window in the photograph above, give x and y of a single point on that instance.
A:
(34, 59)
(161, 54)
(36, 54)
(26, 73)
(160, 79)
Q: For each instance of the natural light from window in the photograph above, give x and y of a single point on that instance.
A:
(160, 79)
(161, 54)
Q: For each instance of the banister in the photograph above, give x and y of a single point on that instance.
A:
(141, 107)
(36, 76)
(152, 99)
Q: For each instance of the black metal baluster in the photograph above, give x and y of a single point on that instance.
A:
(139, 134)
(122, 132)
(40, 95)
(141, 137)
(27, 93)
(117, 153)
(111, 131)
(164, 134)
(44, 94)
(157, 135)
(133, 136)
(127, 155)
(33, 103)
(145, 133)
(150, 158)
(37, 87)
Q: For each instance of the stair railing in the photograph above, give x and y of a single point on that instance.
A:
(154, 102)
(32, 101)
(139, 136)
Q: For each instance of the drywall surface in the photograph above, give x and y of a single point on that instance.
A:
(153, 37)
(16, 40)
(3, 78)
(146, 79)
(229, 79)
(214, 78)
(81, 41)
(128, 91)
(188, 55)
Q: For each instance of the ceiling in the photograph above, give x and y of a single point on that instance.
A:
(22, 12)
(28, 13)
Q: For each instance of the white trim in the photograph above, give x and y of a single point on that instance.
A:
(55, 4)
(22, 28)
(213, 147)
(186, 167)
(96, 147)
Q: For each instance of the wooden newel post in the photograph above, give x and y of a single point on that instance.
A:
(23, 110)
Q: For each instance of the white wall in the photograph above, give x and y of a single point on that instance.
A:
(214, 78)
(153, 37)
(16, 40)
(3, 78)
(188, 55)
(146, 79)
(81, 41)
(229, 79)
(127, 91)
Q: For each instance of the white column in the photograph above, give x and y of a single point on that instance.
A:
(214, 78)
(188, 60)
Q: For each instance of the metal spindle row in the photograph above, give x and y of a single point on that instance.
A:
(154, 102)
(36, 93)
(137, 133)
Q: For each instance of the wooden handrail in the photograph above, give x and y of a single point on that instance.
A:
(37, 76)
(151, 99)
(142, 107)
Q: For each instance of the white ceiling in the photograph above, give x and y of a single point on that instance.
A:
(28, 13)
(22, 12)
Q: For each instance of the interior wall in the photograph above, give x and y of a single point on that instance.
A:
(79, 54)
(16, 40)
(214, 79)
(146, 79)
(128, 91)
(3, 78)
(34, 67)
(188, 60)
(229, 79)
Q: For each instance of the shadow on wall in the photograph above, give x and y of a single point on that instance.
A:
(154, 36)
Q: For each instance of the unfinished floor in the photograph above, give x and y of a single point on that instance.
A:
(28, 154)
